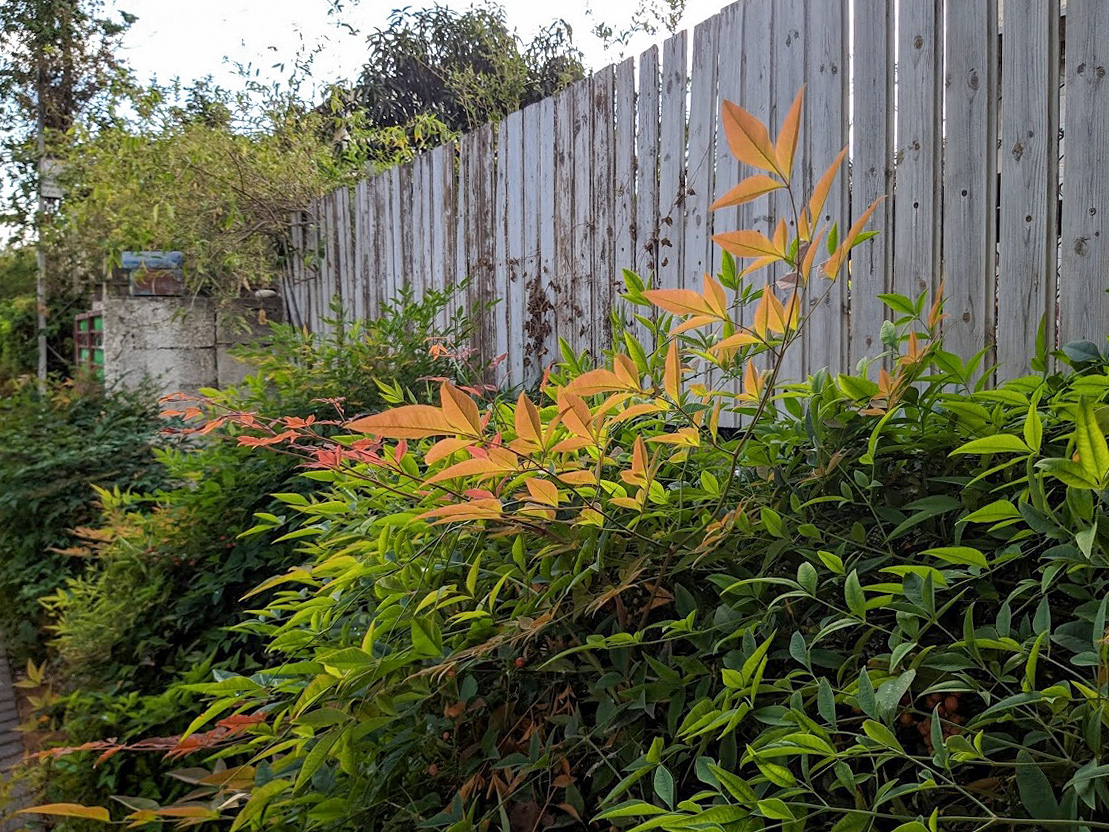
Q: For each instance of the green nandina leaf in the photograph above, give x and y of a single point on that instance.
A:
(1093, 452)
(1035, 789)
(882, 735)
(775, 809)
(995, 512)
(1001, 443)
(427, 641)
(890, 693)
(867, 702)
(853, 595)
(826, 701)
(1067, 471)
(664, 786)
(630, 809)
(853, 822)
(807, 577)
(1033, 428)
(959, 555)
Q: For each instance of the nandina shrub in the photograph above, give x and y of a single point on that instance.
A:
(161, 575)
(876, 605)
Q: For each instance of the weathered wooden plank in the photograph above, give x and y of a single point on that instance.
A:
(824, 134)
(373, 229)
(406, 229)
(511, 155)
(417, 277)
(331, 254)
(970, 176)
(444, 208)
(871, 170)
(604, 172)
(352, 303)
(532, 194)
(580, 298)
(624, 170)
(916, 204)
(1029, 172)
(542, 304)
(500, 261)
(789, 43)
(477, 159)
(671, 199)
(730, 88)
(396, 248)
(1084, 304)
(701, 155)
(646, 169)
(360, 247)
(429, 276)
(562, 282)
(295, 297)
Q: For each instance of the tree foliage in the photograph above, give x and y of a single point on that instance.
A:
(465, 69)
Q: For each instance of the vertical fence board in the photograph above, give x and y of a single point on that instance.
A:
(500, 259)
(701, 158)
(1084, 305)
(478, 149)
(1029, 171)
(871, 170)
(546, 347)
(789, 43)
(396, 247)
(561, 279)
(602, 214)
(646, 167)
(919, 141)
(417, 230)
(970, 175)
(671, 195)
(824, 134)
(580, 300)
(624, 171)
(379, 227)
(533, 193)
(730, 86)
(315, 253)
(511, 155)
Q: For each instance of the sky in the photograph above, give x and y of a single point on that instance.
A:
(195, 38)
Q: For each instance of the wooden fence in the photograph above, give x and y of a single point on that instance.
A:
(954, 116)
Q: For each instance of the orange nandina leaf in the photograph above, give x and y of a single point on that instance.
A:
(499, 461)
(750, 188)
(639, 410)
(444, 448)
(637, 475)
(70, 810)
(747, 243)
(460, 410)
(577, 477)
(935, 315)
(543, 491)
(693, 323)
(810, 256)
(529, 427)
(804, 229)
(753, 382)
(748, 139)
(823, 187)
(715, 297)
(414, 421)
(786, 146)
(743, 338)
(575, 414)
(781, 240)
(835, 262)
(487, 509)
(770, 315)
(678, 301)
(792, 313)
(672, 374)
(688, 437)
(595, 381)
(761, 263)
(187, 811)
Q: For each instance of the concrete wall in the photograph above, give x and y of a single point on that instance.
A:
(179, 343)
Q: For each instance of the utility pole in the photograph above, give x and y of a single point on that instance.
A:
(40, 218)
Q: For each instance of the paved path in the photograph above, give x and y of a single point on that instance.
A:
(11, 741)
